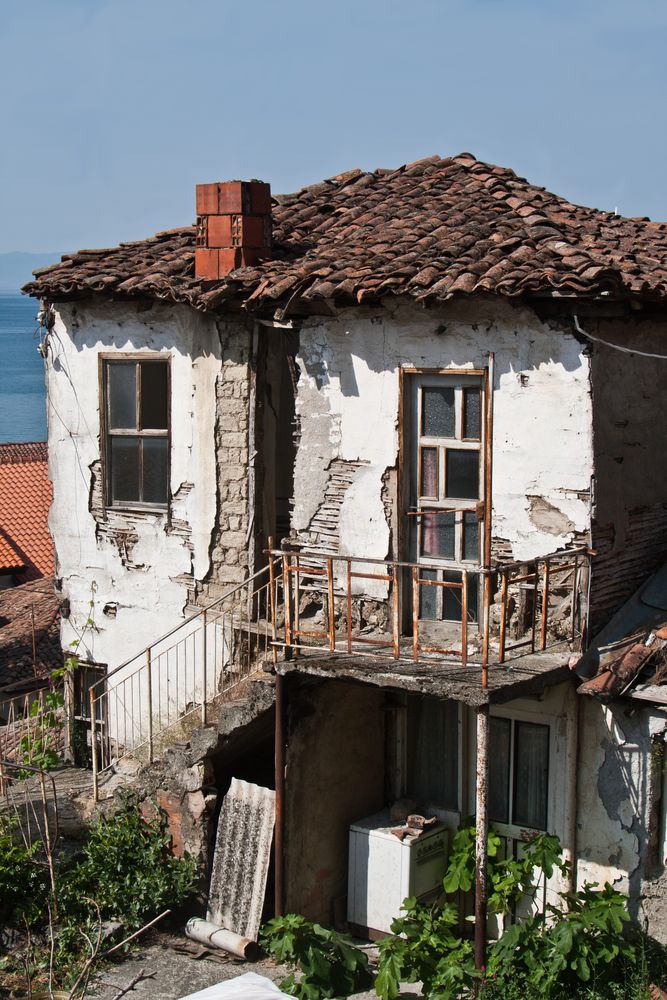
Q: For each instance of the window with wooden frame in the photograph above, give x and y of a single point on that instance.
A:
(136, 397)
(448, 489)
(519, 773)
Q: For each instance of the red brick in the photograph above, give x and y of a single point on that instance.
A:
(207, 198)
(206, 264)
(230, 197)
(254, 231)
(220, 231)
(260, 198)
(229, 259)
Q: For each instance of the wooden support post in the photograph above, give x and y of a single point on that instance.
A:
(481, 835)
(279, 761)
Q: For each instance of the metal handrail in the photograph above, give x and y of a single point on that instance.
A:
(185, 621)
(216, 649)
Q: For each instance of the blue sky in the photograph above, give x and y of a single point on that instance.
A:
(112, 110)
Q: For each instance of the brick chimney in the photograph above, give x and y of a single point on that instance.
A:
(233, 227)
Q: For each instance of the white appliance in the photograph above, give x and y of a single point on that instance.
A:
(384, 870)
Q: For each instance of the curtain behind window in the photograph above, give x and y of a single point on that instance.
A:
(433, 752)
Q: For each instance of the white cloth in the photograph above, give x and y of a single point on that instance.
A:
(249, 986)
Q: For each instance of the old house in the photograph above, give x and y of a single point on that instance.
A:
(434, 394)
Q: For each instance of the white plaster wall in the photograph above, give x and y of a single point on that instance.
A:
(348, 400)
(615, 761)
(149, 586)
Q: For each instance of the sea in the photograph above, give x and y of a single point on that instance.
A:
(22, 390)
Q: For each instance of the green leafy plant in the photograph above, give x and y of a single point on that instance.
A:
(429, 949)
(579, 948)
(126, 867)
(125, 871)
(24, 886)
(581, 944)
(40, 746)
(329, 964)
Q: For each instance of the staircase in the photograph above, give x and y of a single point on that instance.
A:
(174, 685)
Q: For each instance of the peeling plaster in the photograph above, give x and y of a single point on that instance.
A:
(142, 563)
(348, 405)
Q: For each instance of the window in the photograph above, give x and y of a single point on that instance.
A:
(518, 773)
(136, 409)
(447, 488)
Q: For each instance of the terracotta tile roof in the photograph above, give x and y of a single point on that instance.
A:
(430, 230)
(25, 498)
(17, 605)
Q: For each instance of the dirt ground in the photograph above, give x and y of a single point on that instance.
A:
(177, 975)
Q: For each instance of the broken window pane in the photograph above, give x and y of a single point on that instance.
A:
(122, 396)
(437, 535)
(153, 395)
(462, 474)
(470, 535)
(452, 605)
(156, 466)
(499, 769)
(433, 752)
(472, 411)
(428, 596)
(125, 468)
(438, 413)
(429, 473)
(531, 768)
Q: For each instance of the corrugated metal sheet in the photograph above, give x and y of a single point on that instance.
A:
(241, 859)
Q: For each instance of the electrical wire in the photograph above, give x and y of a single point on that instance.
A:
(615, 347)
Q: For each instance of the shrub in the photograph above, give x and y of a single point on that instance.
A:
(127, 869)
(24, 886)
(330, 966)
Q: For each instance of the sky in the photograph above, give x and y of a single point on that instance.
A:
(112, 110)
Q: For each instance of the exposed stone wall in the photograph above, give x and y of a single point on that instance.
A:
(230, 537)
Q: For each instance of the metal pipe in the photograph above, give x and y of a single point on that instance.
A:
(415, 614)
(503, 618)
(545, 605)
(279, 761)
(573, 709)
(481, 834)
(213, 936)
(330, 606)
(93, 742)
(149, 682)
(464, 619)
(272, 599)
(204, 671)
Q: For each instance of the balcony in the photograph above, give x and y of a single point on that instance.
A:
(375, 620)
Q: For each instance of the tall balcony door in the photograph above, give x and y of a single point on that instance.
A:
(444, 482)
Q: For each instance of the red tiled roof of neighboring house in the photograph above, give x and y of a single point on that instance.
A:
(430, 230)
(25, 498)
(18, 605)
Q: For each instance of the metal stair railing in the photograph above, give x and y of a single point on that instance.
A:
(179, 675)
